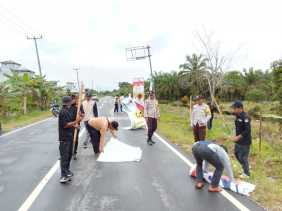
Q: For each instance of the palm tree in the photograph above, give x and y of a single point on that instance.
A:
(193, 70)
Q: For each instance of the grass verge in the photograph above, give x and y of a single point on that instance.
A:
(266, 165)
(23, 120)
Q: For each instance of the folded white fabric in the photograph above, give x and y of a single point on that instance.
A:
(116, 151)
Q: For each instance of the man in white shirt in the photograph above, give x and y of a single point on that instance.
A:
(151, 115)
(90, 109)
(199, 118)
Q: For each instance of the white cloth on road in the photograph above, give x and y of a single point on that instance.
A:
(116, 151)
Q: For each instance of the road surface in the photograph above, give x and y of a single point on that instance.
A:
(159, 182)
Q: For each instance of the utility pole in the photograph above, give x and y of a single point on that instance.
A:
(150, 62)
(36, 49)
(77, 78)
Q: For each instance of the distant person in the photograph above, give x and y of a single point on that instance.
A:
(151, 115)
(90, 109)
(243, 138)
(199, 118)
(73, 109)
(66, 126)
(116, 104)
(120, 102)
(97, 127)
(215, 155)
(213, 109)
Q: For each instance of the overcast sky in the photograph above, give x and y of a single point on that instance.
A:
(93, 35)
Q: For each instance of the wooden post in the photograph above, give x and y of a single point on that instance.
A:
(78, 110)
(260, 131)
(190, 109)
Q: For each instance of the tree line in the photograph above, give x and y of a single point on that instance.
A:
(195, 77)
(20, 94)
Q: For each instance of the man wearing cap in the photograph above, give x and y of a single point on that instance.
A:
(243, 138)
(199, 118)
(151, 115)
(66, 124)
(90, 110)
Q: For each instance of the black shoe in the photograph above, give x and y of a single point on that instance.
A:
(70, 175)
(152, 141)
(64, 179)
(74, 157)
(149, 142)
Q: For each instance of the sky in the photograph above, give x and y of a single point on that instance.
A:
(93, 35)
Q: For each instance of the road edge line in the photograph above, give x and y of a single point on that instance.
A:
(37, 190)
(25, 127)
(224, 193)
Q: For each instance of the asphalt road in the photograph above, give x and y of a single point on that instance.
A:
(159, 182)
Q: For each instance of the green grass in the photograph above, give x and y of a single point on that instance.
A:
(266, 166)
(9, 124)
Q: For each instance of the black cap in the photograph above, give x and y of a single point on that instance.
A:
(66, 100)
(237, 104)
(88, 94)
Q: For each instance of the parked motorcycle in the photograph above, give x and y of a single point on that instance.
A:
(55, 109)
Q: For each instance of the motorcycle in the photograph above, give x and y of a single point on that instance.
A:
(55, 109)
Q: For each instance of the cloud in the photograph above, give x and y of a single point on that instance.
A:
(93, 35)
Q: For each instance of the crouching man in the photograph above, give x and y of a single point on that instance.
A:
(216, 155)
(97, 128)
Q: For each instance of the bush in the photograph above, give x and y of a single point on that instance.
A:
(255, 95)
(184, 100)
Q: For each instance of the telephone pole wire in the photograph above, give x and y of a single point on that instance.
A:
(36, 49)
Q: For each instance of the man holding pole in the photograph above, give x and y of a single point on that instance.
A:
(199, 118)
(66, 125)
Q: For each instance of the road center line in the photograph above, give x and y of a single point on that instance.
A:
(35, 193)
(228, 196)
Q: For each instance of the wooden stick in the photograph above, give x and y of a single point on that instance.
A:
(191, 109)
(77, 112)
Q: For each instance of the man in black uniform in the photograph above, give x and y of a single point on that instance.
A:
(66, 125)
(243, 138)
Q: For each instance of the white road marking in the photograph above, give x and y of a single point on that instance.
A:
(25, 127)
(35, 193)
(228, 196)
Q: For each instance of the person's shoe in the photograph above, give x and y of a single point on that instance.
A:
(70, 175)
(199, 185)
(64, 179)
(244, 176)
(74, 157)
(153, 142)
(214, 189)
(149, 141)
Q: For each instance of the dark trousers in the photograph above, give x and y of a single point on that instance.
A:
(202, 152)
(152, 124)
(199, 132)
(76, 143)
(242, 154)
(65, 151)
(94, 137)
(210, 123)
(116, 107)
(120, 108)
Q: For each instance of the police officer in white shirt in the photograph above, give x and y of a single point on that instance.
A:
(199, 118)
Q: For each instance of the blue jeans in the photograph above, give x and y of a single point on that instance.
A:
(202, 152)
(242, 154)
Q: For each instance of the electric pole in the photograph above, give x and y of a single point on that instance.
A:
(150, 62)
(77, 78)
(36, 49)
